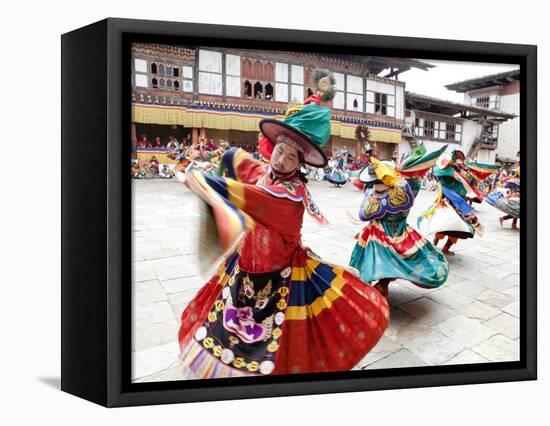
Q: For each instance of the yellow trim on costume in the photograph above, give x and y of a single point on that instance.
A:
(320, 303)
(236, 193)
(298, 274)
(435, 204)
(234, 219)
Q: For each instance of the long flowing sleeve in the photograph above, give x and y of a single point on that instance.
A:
(232, 209)
(241, 166)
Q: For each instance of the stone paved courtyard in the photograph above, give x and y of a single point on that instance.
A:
(473, 318)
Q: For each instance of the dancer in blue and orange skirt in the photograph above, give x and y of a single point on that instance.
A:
(388, 248)
(274, 307)
(451, 216)
(506, 198)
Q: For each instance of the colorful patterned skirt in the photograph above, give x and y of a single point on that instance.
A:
(337, 177)
(308, 317)
(508, 205)
(392, 249)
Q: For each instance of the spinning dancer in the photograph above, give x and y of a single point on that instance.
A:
(337, 175)
(507, 199)
(274, 307)
(388, 248)
(451, 216)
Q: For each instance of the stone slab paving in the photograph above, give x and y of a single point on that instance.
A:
(473, 318)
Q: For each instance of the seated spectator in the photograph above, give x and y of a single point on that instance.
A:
(166, 173)
(158, 143)
(143, 142)
(154, 165)
(135, 170)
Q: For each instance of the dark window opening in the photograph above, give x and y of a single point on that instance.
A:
(380, 103)
(483, 102)
(154, 83)
(153, 68)
(258, 90)
(176, 72)
(450, 132)
(268, 91)
(247, 89)
(429, 128)
(176, 85)
(309, 92)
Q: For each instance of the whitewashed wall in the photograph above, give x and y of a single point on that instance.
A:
(508, 132)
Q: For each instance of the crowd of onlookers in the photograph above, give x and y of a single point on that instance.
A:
(148, 169)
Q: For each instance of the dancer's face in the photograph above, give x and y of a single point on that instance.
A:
(284, 159)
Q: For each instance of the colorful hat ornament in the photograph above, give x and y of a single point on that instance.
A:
(379, 171)
(307, 124)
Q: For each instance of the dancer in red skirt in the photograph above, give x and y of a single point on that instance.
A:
(274, 307)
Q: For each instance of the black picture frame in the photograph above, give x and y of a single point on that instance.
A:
(96, 207)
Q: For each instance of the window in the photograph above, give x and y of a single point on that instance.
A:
(431, 128)
(176, 71)
(210, 72)
(187, 74)
(155, 83)
(483, 102)
(354, 93)
(258, 90)
(168, 70)
(247, 89)
(140, 65)
(339, 101)
(176, 85)
(268, 91)
(450, 132)
(297, 86)
(380, 103)
(486, 101)
(169, 83)
(281, 82)
(381, 98)
(153, 68)
(161, 82)
(140, 73)
(140, 80)
(161, 69)
(233, 75)
(490, 130)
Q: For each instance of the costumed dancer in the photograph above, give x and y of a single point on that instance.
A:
(476, 173)
(337, 175)
(388, 248)
(274, 307)
(507, 199)
(450, 216)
